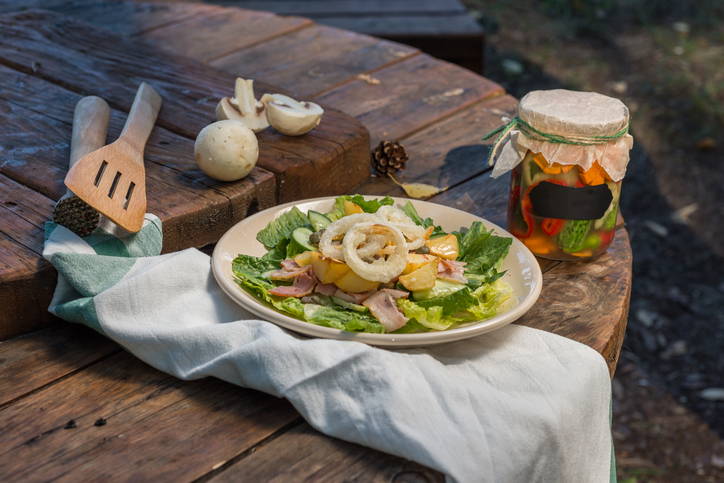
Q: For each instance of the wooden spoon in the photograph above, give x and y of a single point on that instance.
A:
(90, 127)
(112, 179)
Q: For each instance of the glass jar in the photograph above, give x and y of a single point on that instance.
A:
(557, 238)
(567, 152)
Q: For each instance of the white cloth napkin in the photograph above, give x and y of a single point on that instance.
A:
(513, 405)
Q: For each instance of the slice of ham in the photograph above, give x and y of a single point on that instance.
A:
(303, 285)
(290, 265)
(396, 294)
(326, 289)
(290, 270)
(384, 309)
(452, 271)
(353, 298)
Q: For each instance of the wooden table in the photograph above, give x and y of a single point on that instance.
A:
(161, 428)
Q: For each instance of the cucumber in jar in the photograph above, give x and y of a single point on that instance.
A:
(571, 237)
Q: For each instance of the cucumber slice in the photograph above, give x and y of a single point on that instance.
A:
(318, 220)
(349, 305)
(300, 236)
(442, 288)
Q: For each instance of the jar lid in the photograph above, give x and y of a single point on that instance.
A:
(568, 128)
(569, 113)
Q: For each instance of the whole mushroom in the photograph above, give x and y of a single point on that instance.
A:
(226, 150)
(291, 117)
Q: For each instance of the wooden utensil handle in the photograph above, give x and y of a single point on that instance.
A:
(90, 127)
(142, 117)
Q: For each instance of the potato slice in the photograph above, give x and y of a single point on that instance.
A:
(421, 279)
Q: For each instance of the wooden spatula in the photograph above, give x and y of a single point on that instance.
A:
(113, 179)
(90, 127)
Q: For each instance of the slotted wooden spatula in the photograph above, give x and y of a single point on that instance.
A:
(112, 179)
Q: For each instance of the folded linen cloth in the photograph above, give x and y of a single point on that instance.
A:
(513, 405)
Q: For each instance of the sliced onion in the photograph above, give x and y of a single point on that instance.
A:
(415, 234)
(340, 227)
(379, 270)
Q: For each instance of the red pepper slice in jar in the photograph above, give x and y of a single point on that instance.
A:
(552, 226)
(527, 217)
(607, 237)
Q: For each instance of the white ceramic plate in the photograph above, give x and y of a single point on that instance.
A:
(523, 274)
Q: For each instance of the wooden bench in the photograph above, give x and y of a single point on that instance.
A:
(441, 28)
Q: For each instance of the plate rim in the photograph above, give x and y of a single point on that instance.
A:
(244, 299)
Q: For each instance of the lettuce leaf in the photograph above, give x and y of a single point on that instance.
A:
(483, 252)
(341, 319)
(452, 303)
(261, 288)
(430, 317)
(253, 266)
(411, 212)
(282, 227)
(370, 206)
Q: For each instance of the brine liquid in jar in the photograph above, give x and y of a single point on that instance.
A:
(562, 238)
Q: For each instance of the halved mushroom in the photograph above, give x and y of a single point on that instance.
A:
(290, 117)
(243, 107)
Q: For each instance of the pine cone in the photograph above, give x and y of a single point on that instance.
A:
(389, 157)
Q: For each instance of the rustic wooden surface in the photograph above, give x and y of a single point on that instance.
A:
(158, 427)
(441, 28)
(39, 96)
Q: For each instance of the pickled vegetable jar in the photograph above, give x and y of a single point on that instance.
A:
(567, 153)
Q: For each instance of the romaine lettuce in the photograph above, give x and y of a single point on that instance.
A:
(370, 206)
(282, 227)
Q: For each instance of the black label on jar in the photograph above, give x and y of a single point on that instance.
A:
(585, 203)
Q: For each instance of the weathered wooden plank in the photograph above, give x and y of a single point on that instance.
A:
(411, 95)
(221, 31)
(127, 18)
(310, 60)
(450, 151)
(32, 361)
(24, 299)
(303, 454)
(61, 46)
(195, 209)
(326, 8)
(397, 25)
(153, 421)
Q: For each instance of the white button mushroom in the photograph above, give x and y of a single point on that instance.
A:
(226, 150)
(290, 117)
(243, 107)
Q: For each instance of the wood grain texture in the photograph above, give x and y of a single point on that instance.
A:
(310, 60)
(326, 8)
(157, 427)
(411, 95)
(303, 454)
(587, 300)
(448, 152)
(190, 89)
(195, 209)
(221, 31)
(112, 179)
(43, 357)
(125, 18)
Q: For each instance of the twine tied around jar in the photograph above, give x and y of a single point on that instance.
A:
(534, 133)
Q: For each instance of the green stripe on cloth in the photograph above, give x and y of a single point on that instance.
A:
(92, 274)
(81, 311)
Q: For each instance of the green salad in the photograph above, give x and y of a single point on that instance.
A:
(368, 266)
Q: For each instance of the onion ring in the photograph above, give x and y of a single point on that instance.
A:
(415, 234)
(379, 270)
(340, 227)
